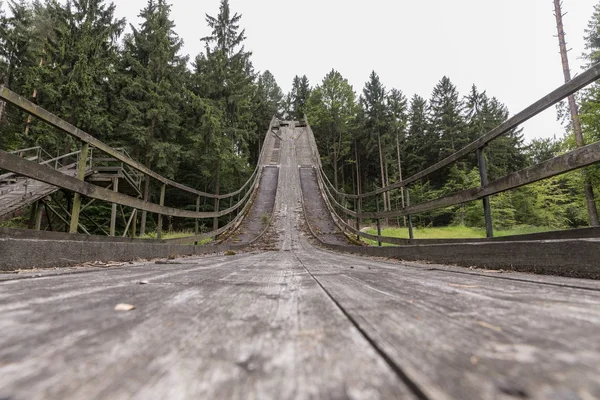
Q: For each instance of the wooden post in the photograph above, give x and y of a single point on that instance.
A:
(379, 222)
(75, 211)
(197, 227)
(487, 210)
(144, 212)
(134, 227)
(357, 219)
(163, 189)
(216, 219)
(38, 216)
(411, 235)
(113, 214)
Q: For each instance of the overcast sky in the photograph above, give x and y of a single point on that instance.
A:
(507, 48)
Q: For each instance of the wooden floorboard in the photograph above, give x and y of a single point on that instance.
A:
(299, 323)
(251, 326)
(471, 336)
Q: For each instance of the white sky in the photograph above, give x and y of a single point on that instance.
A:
(507, 48)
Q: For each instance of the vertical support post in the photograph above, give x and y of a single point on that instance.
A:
(197, 225)
(134, 227)
(487, 210)
(113, 214)
(163, 190)
(216, 219)
(411, 234)
(357, 219)
(379, 224)
(75, 211)
(146, 197)
(38, 215)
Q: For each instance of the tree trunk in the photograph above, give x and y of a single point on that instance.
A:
(382, 174)
(217, 189)
(33, 96)
(146, 196)
(400, 172)
(587, 184)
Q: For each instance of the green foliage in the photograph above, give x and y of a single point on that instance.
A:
(152, 88)
(299, 97)
(331, 110)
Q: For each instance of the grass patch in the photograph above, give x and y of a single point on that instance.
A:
(175, 235)
(454, 232)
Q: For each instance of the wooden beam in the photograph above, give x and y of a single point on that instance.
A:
(564, 91)
(46, 116)
(575, 159)
(44, 174)
(81, 166)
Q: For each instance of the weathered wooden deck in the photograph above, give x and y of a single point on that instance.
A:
(301, 323)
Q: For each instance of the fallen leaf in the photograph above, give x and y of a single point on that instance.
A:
(474, 360)
(490, 326)
(124, 307)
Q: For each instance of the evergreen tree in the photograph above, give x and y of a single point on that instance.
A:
(82, 52)
(16, 38)
(299, 96)
(482, 114)
(268, 102)
(152, 88)
(445, 119)
(418, 148)
(373, 102)
(225, 75)
(331, 111)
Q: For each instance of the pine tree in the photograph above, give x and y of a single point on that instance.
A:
(373, 102)
(224, 74)
(152, 87)
(268, 101)
(299, 96)
(418, 148)
(331, 111)
(446, 121)
(82, 55)
(397, 112)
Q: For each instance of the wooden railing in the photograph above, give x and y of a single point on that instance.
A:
(575, 159)
(21, 166)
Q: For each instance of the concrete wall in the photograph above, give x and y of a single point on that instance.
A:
(29, 249)
(577, 258)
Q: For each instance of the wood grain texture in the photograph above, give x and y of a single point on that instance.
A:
(252, 326)
(299, 323)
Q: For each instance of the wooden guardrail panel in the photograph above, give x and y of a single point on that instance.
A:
(46, 116)
(575, 159)
(44, 174)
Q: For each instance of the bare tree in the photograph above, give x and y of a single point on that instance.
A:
(587, 185)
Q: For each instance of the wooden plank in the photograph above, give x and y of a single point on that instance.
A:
(222, 327)
(56, 178)
(573, 160)
(579, 82)
(465, 336)
(44, 115)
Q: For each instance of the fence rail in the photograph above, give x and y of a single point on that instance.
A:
(575, 159)
(27, 168)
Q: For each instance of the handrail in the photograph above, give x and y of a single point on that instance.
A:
(39, 172)
(46, 116)
(579, 82)
(24, 150)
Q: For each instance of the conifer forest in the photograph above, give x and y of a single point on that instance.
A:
(200, 119)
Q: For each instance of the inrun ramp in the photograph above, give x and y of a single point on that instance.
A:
(297, 323)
